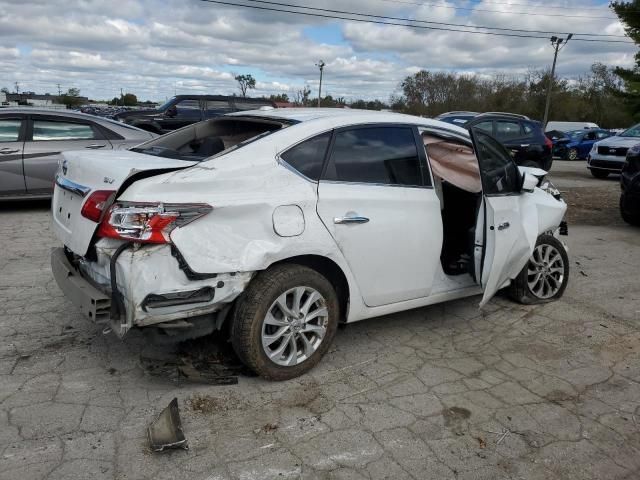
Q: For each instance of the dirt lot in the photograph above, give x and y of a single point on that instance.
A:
(444, 392)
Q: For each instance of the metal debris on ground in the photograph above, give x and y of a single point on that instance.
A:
(166, 430)
(206, 360)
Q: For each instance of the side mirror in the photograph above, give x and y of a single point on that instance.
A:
(529, 182)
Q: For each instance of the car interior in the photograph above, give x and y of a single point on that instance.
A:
(456, 178)
(206, 139)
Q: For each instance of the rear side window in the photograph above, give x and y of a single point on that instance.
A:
(308, 157)
(381, 155)
(9, 130)
(60, 130)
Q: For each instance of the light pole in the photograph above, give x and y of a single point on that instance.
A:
(555, 43)
(320, 65)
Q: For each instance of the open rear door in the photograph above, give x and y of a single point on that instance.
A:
(507, 247)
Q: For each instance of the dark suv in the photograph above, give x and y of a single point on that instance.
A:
(630, 183)
(524, 137)
(183, 110)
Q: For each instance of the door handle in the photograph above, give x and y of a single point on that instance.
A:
(7, 150)
(350, 219)
(524, 145)
(504, 226)
(96, 145)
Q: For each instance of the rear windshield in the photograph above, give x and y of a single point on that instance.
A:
(210, 138)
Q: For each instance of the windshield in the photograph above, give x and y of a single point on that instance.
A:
(576, 135)
(166, 104)
(631, 132)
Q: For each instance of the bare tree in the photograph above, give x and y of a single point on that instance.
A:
(245, 82)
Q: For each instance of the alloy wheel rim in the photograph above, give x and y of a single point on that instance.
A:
(545, 271)
(295, 326)
(573, 154)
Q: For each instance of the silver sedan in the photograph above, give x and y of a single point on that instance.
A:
(31, 141)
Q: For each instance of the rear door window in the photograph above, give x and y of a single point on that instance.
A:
(47, 130)
(308, 157)
(506, 130)
(377, 155)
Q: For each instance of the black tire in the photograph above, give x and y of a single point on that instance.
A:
(627, 216)
(252, 308)
(599, 173)
(521, 292)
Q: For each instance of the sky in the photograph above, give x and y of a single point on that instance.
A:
(156, 48)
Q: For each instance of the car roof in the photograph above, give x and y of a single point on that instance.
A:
(48, 111)
(345, 116)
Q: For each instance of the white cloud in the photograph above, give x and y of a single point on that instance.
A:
(156, 47)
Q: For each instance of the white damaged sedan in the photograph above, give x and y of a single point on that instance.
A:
(274, 226)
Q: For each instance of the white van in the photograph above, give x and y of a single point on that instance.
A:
(569, 126)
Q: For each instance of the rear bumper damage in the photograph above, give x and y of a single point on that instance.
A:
(153, 288)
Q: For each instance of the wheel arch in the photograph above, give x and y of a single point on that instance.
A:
(331, 271)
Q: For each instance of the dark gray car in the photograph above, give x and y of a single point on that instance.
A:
(31, 141)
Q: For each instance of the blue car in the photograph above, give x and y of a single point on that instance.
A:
(577, 144)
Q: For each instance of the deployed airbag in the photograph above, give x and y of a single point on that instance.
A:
(453, 162)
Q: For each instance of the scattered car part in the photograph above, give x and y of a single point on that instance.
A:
(166, 430)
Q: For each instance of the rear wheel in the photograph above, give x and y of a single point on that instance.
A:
(285, 321)
(599, 173)
(546, 274)
(572, 154)
(626, 213)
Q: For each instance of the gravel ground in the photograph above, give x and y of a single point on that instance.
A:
(444, 392)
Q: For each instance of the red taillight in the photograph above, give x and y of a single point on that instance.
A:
(94, 206)
(148, 223)
(548, 142)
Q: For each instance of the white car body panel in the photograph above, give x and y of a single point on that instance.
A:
(95, 171)
(400, 219)
(263, 212)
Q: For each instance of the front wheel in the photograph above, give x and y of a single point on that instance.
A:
(599, 173)
(546, 274)
(285, 321)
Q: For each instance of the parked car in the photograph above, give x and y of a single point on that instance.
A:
(630, 185)
(297, 219)
(183, 110)
(32, 140)
(608, 155)
(577, 144)
(520, 135)
(569, 126)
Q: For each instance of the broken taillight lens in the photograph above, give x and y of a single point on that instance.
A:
(95, 205)
(148, 222)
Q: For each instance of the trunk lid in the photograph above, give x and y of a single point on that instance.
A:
(82, 173)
